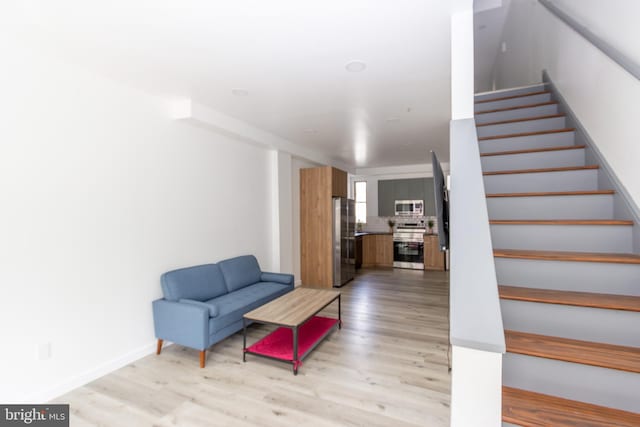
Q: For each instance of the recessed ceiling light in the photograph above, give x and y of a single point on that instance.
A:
(355, 66)
(240, 92)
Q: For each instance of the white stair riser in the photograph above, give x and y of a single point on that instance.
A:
(545, 159)
(551, 207)
(604, 278)
(581, 238)
(520, 127)
(580, 180)
(520, 113)
(509, 92)
(560, 139)
(591, 384)
(513, 102)
(580, 323)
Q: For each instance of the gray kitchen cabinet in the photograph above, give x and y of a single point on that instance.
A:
(386, 198)
(416, 188)
(401, 189)
(391, 190)
(429, 200)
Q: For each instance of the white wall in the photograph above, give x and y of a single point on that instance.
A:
(476, 388)
(462, 79)
(616, 21)
(101, 193)
(285, 248)
(600, 92)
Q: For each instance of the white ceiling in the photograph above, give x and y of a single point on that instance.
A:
(289, 55)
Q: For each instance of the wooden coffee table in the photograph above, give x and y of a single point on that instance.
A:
(300, 328)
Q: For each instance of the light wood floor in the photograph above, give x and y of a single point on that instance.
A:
(386, 367)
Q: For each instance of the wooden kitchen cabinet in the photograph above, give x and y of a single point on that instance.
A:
(377, 250)
(317, 187)
(338, 183)
(433, 258)
(369, 250)
(384, 250)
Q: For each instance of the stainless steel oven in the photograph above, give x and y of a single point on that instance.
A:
(408, 248)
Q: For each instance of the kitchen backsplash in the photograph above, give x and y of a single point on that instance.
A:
(378, 224)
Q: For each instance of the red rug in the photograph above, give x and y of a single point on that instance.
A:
(279, 343)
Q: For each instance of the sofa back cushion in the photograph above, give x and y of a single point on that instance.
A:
(199, 283)
(240, 272)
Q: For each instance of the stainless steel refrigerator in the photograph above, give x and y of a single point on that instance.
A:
(344, 243)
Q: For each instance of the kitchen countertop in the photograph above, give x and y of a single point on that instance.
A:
(365, 233)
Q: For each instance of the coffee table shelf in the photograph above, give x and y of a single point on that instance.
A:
(278, 344)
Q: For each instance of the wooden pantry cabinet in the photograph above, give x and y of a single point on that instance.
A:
(317, 188)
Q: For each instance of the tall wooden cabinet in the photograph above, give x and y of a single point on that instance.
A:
(317, 188)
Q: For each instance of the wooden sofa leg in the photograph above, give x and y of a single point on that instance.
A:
(203, 354)
(159, 349)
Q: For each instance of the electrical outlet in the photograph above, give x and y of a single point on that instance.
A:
(44, 351)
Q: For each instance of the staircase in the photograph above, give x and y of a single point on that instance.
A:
(569, 280)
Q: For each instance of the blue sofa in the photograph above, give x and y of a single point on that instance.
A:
(204, 304)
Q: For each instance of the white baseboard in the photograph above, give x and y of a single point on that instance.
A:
(297, 283)
(92, 374)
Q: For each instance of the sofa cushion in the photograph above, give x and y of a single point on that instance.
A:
(209, 305)
(234, 305)
(240, 271)
(199, 283)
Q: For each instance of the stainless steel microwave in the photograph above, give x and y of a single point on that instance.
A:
(409, 207)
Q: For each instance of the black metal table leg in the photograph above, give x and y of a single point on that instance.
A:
(339, 312)
(295, 350)
(244, 339)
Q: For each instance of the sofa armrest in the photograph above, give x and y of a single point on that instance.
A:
(285, 279)
(211, 308)
(184, 324)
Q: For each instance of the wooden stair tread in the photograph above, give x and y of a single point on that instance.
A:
(542, 170)
(576, 351)
(616, 258)
(533, 150)
(523, 134)
(553, 193)
(504, 98)
(561, 222)
(529, 409)
(527, 119)
(578, 299)
(519, 107)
